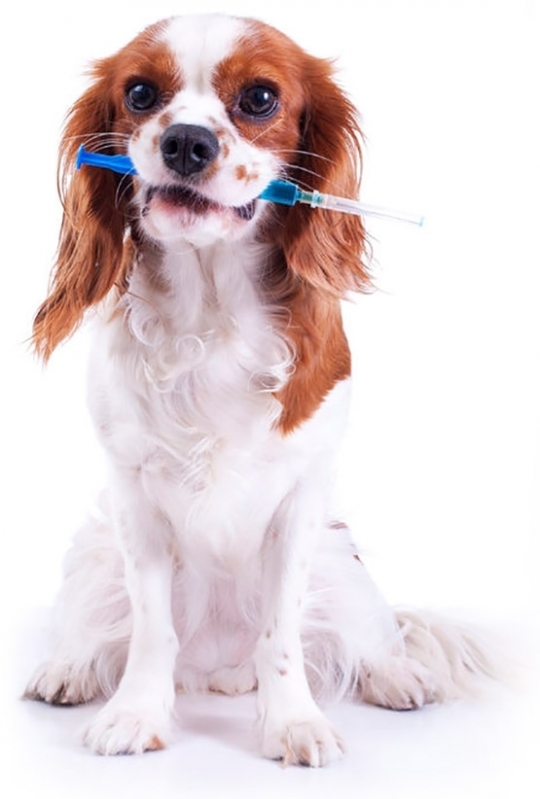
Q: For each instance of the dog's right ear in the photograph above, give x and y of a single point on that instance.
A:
(90, 258)
(328, 249)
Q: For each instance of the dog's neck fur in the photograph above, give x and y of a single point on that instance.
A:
(206, 335)
(232, 311)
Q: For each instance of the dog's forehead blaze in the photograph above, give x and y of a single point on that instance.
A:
(200, 43)
(178, 53)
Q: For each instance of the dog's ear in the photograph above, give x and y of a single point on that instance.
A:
(89, 259)
(327, 248)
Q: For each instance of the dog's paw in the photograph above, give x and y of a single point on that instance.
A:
(121, 730)
(307, 742)
(403, 684)
(60, 682)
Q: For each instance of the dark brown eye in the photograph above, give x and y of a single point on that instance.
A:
(141, 96)
(258, 101)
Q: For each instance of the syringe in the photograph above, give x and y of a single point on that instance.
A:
(116, 163)
(278, 191)
(286, 193)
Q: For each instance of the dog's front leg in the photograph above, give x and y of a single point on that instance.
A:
(293, 728)
(137, 717)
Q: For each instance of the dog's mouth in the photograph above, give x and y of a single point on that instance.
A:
(179, 196)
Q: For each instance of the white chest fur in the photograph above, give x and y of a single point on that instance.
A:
(182, 393)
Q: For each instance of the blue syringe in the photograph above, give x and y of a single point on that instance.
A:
(278, 191)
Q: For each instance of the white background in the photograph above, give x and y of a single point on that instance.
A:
(441, 467)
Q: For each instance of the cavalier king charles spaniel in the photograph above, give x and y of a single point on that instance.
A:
(219, 386)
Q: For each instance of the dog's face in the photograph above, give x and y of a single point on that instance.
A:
(212, 110)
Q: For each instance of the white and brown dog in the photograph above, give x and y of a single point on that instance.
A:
(219, 388)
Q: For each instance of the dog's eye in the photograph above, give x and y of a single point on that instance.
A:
(258, 101)
(141, 96)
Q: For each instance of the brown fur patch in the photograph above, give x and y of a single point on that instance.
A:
(241, 172)
(264, 55)
(91, 255)
(165, 120)
(313, 325)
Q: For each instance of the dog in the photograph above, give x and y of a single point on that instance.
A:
(219, 384)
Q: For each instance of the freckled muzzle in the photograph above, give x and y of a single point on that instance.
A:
(187, 151)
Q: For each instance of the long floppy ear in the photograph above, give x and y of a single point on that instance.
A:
(326, 248)
(89, 259)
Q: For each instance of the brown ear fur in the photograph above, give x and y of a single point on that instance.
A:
(89, 259)
(325, 248)
(322, 250)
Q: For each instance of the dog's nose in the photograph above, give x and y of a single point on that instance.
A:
(188, 148)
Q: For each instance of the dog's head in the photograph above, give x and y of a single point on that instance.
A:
(210, 109)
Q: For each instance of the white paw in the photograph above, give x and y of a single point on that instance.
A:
(403, 684)
(59, 682)
(120, 730)
(310, 742)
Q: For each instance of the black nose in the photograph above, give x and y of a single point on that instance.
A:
(188, 148)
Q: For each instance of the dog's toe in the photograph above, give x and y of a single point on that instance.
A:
(310, 742)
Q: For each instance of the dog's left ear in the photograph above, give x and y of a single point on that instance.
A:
(326, 248)
(90, 258)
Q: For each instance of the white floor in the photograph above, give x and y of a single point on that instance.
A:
(482, 748)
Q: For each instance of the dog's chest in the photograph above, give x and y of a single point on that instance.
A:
(188, 405)
(213, 460)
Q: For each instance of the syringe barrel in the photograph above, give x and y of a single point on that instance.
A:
(346, 206)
